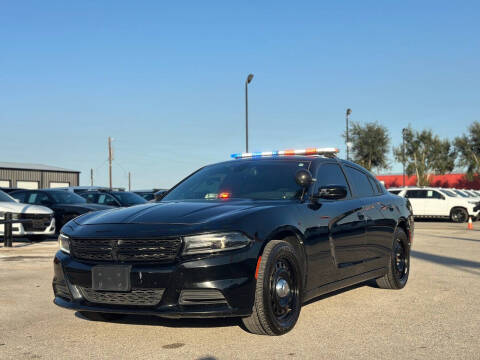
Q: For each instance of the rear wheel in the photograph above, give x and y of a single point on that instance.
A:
(399, 265)
(278, 291)
(97, 316)
(459, 215)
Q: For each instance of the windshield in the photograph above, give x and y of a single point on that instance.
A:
(128, 198)
(461, 193)
(66, 197)
(257, 180)
(5, 198)
(448, 193)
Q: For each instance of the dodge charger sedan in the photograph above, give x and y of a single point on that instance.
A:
(254, 237)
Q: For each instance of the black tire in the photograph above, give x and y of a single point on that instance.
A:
(97, 316)
(399, 264)
(459, 215)
(278, 291)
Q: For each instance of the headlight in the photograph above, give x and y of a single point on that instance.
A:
(15, 216)
(64, 243)
(212, 243)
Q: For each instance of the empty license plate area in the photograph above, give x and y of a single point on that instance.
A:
(111, 278)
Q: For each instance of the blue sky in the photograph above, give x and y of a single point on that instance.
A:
(166, 79)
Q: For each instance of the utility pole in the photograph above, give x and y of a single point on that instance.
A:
(91, 177)
(129, 181)
(249, 79)
(347, 138)
(110, 161)
(403, 154)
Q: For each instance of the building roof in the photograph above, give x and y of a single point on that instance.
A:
(38, 167)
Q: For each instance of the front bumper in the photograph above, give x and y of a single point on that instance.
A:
(213, 286)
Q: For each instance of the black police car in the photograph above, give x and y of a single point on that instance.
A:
(253, 237)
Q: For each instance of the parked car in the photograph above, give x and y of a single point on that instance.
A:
(252, 238)
(113, 198)
(65, 205)
(438, 203)
(81, 189)
(148, 195)
(41, 222)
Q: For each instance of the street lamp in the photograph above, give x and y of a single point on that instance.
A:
(249, 79)
(347, 142)
(404, 131)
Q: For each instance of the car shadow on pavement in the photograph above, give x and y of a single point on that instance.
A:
(172, 323)
(456, 238)
(459, 264)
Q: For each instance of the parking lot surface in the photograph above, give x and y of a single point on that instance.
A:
(437, 315)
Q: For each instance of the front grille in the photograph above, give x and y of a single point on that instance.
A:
(38, 222)
(126, 250)
(137, 297)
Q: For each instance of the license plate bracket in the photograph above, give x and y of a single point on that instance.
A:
(111, 278)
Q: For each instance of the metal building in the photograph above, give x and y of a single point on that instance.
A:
(36, 176)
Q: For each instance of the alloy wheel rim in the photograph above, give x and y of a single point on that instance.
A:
(401, 260)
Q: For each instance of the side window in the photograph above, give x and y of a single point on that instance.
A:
(416, 194)
(359, 182)
(375, 185)
(110, 200)
(42, 199)
(91, 198)
(31, 198)
(331, 174)
(432, 194)
(19, 196)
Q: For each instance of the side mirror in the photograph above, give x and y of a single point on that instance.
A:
(303, 177)
(332, 192)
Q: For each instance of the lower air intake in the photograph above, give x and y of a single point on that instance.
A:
(201, 297)
(136, 297)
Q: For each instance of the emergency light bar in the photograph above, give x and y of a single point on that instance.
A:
(308, 151)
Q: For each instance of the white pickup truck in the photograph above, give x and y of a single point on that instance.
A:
(438, 203)
(40, 221)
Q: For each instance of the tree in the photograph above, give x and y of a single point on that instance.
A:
(370, 144)
(425, 154)
(468, 149)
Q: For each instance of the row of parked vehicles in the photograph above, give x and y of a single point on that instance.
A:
(45, 211)
(454, 204)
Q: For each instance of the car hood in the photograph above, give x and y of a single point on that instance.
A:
(20, 208)
(181, 212)
(86, 206)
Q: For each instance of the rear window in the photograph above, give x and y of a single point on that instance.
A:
(359, 182)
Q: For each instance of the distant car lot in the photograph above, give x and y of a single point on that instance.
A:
(435, 317)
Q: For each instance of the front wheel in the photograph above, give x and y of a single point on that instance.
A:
(459, 215)
(278, 291)
(399, 264)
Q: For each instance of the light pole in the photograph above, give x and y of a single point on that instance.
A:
(404, 131)
(347, 138)
(249, 79)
